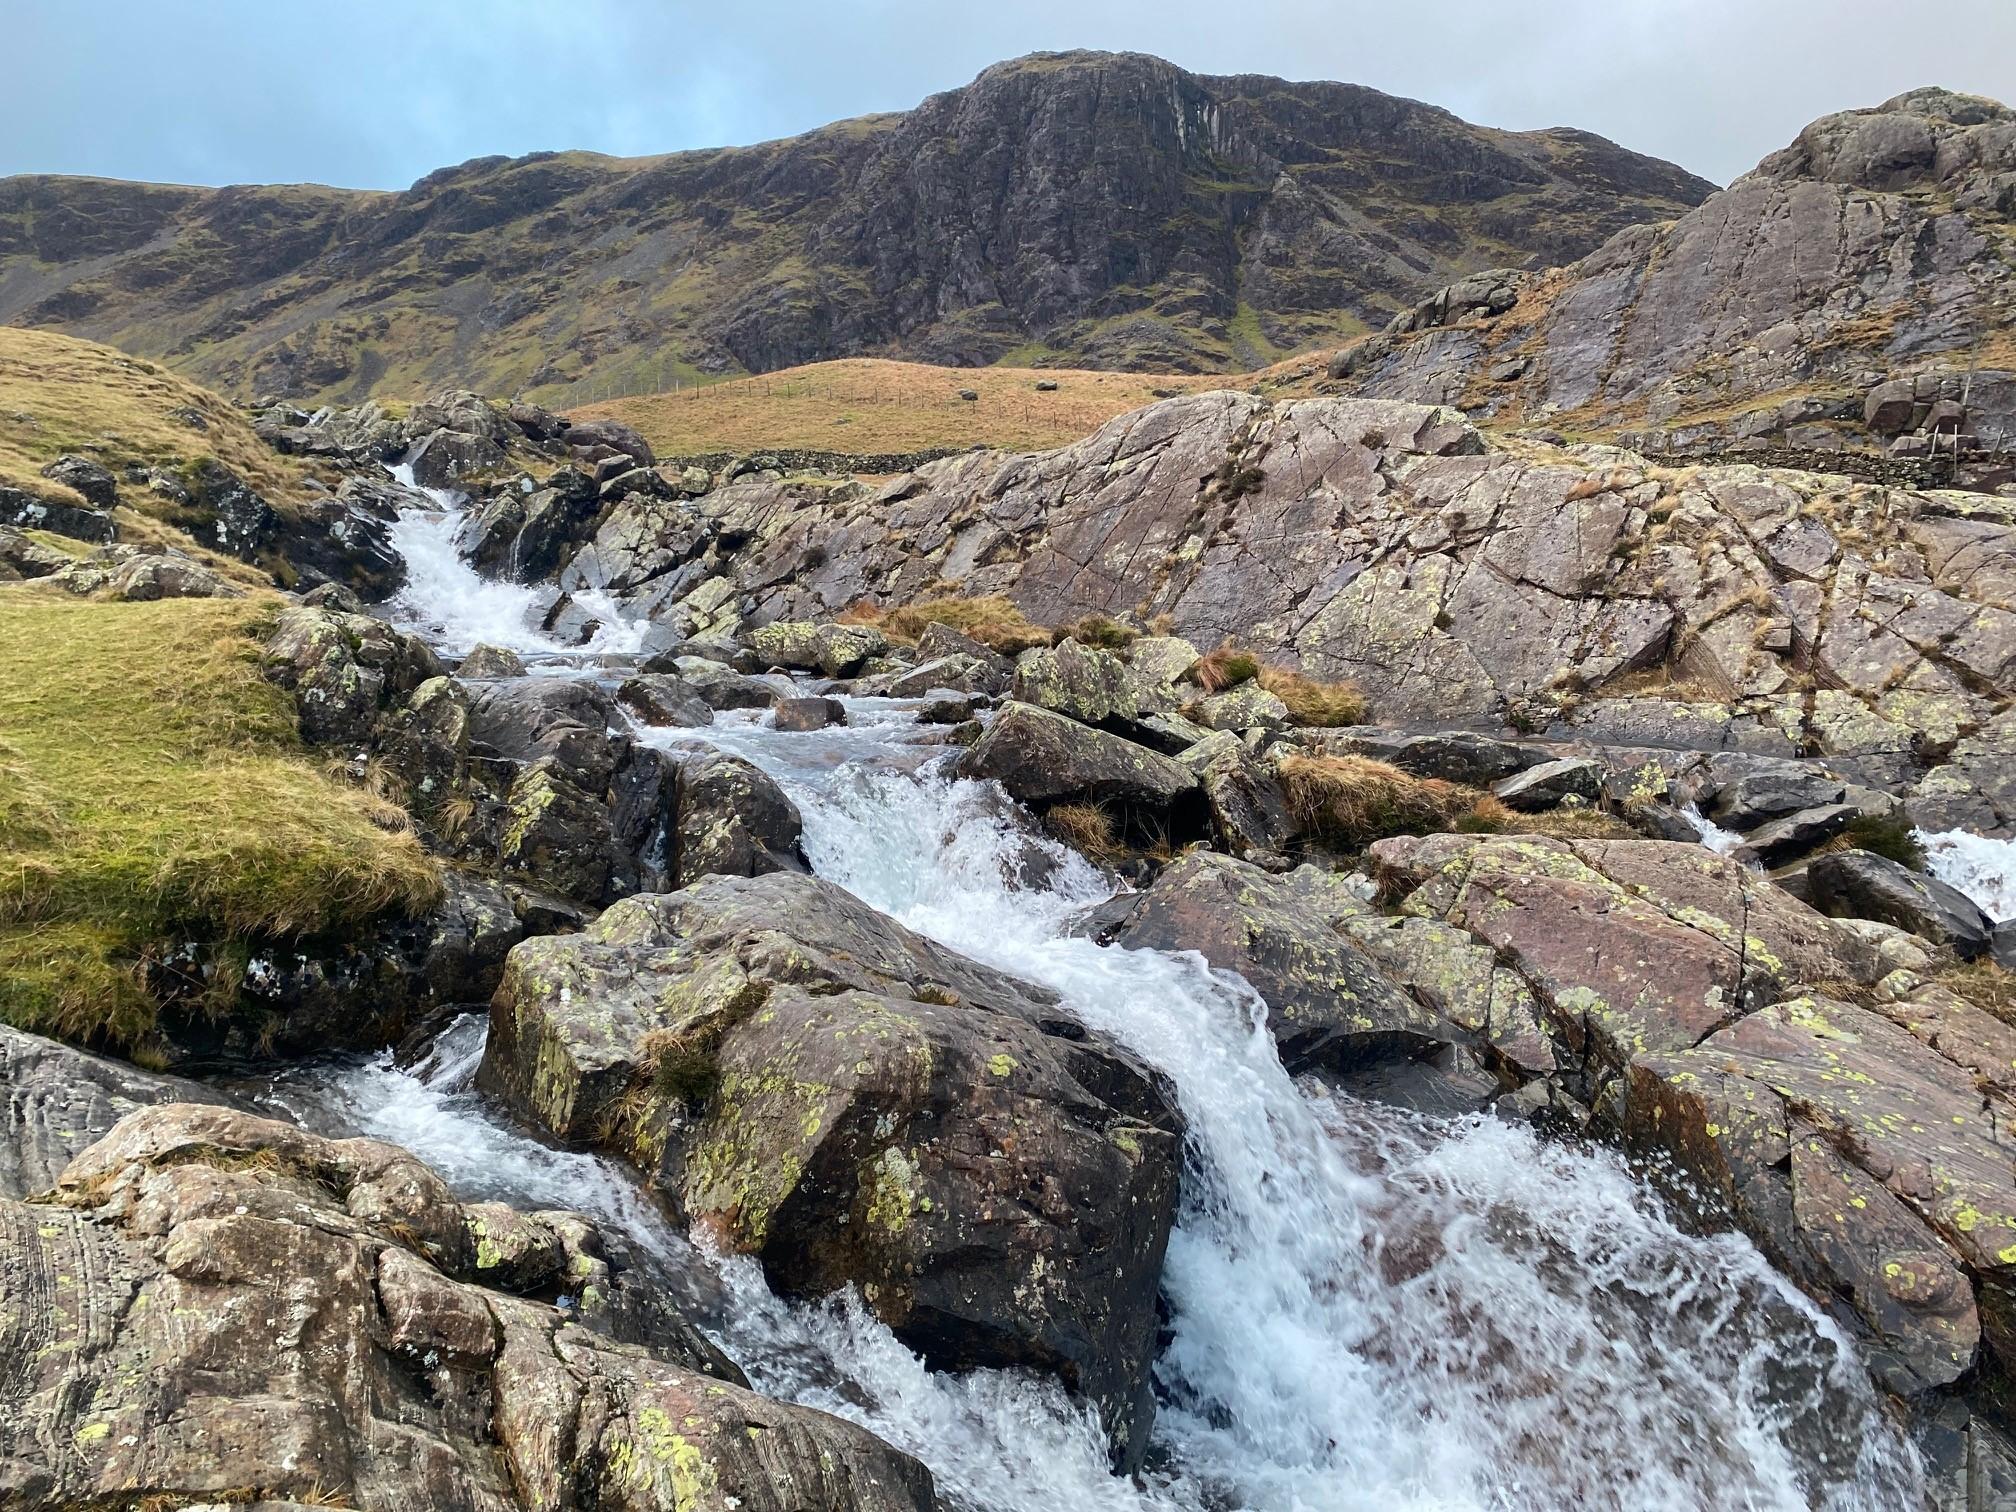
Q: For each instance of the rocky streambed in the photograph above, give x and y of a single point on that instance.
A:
(835, 1136)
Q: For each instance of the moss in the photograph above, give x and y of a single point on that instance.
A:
(154, 790)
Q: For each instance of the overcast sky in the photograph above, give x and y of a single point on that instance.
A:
(375, 93)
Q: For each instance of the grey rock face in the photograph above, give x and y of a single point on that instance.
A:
(1865, 886)
(1043, 758)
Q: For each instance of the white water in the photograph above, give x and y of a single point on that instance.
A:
(1367, 1309)
(1717, 839)
(1982, 868)
(457, 609)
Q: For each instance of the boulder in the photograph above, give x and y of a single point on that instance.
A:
(1861, 885)
(1250, 815)
(720, 687)
(954, 673)
(1162, 660)
(22, 556)
(489, 663)
(731, 819)
(1787, 839)
(835, 650)
(93, 481)
(942, 640)
(1758, 797)
(856, 1105)
(1084, 683)
(806, 714)
(444, 458)
(663, 698)
(344, 670)
(1551, 784)
(215, 1308)
(32, 511)
(1246, 707)
(137, 575)
(597, 430)
(1043, 758)
(1327, 1003)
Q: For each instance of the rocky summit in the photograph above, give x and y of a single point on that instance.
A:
(1093, 209)
(1434, 925)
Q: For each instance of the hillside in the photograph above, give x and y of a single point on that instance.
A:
(1080, 209)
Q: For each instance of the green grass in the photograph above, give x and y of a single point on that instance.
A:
(154, 789)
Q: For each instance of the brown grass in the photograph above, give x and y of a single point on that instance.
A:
(867, 405)
(1985, 985)
(1086, 828)
(1487, 816)
(1351, 801)
(993, 621)
(1314, 703)
(1227, 667)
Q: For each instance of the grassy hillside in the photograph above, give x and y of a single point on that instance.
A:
(867, 405)
(154, 789)
(59, 394)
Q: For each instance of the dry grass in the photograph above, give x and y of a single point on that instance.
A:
(866, 405)
(1350, 801)
(1227, 667)
(1985, 985)
(993, 621)
(1487, 816)
(59, 394)
(1086, 828)
(1314, 703)
(153, 789)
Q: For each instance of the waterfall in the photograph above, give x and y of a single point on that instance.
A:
(1367, 1308)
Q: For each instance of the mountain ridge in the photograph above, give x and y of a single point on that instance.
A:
(1105, 210)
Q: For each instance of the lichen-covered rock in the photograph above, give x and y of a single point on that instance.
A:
(22, 556)
(1249, 811)
(488, 663)
(1551, 784)
(138, 575)
(835, 650)
(1327, 1003)
(213, 1307)
(664, 698)
(344, 670)
(1043, 758)
(954, 672)
(731, 819)
(857, 1105)
(1084, 683)
(1246, 707)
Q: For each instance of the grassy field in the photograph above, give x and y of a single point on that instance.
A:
(154, 788)
(865, 405)
(59, 394)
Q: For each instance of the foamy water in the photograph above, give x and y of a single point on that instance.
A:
(1982, 868)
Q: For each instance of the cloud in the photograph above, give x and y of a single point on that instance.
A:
(378, 92)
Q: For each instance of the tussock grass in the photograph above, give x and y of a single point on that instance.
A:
(1350, 801)
(1487, 816)
(993, 621)
(1086, 828)
(1098, 630)
(1985, 985)
(1314, 703)
(59, 394)
(1227, 667)
(154, 789)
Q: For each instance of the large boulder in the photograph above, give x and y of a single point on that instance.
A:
(344, 670)
(1861, 885)
(1327, 1003)
(835, 650)
(217, 1308)
(1043, 758)
(814, 1084)
(1089, 685)
(731, 819)
(93, 481)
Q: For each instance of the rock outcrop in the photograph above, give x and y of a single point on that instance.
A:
(213, 1308)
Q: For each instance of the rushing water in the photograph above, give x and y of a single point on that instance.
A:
(1982, 868)
(1367, 1309)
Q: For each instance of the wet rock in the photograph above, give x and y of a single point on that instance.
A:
(92, 480)
(1785, 839)
(1250, 816)
(1327, 1003)
(398, 1379)
(60, 1100)
(444, 458)
(1551, 784)
(731, 819)
(854, 1104)
(489, 663)
(468, 935)
(662, 698)
(948, 711)
(1043, 758)
(835, 650)
(955, 673)
(806, 714)
(719, 687)
(1861, 885)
